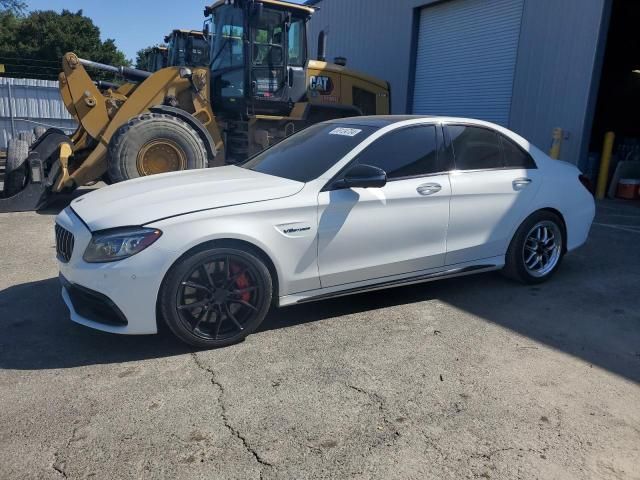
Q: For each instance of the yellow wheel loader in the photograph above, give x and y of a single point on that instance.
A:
(185, 48)
(258, 88)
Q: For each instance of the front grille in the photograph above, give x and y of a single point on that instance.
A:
(64, 243)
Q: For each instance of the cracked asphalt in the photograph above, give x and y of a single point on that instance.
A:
(475, 377)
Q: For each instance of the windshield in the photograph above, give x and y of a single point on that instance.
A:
(309, 153)
(227, 38)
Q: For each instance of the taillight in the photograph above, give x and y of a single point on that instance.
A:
(584, 180)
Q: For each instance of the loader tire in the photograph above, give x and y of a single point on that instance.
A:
(154, 143)
(38, 132)
(15, 170)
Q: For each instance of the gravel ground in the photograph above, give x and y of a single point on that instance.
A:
(462, 378)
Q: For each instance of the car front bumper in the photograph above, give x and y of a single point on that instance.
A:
(117, 297)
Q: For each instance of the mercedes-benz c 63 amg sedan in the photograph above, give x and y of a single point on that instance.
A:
(342, 207)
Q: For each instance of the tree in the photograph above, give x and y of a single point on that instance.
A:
(16, 7)
(33, 46)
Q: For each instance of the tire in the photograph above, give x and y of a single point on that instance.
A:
(534, 256)
(38, 132)
(207, 316)
(16, 170)
(154, 143)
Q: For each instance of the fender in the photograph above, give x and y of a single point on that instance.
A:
(193, 123)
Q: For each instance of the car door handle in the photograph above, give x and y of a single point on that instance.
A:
(428, 188)
(520, 183)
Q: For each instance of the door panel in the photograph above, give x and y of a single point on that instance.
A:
(365, 234)
(486, 207)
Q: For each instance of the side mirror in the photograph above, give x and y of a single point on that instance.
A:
(362, 176)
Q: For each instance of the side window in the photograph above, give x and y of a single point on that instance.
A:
(296, 43)
(514, 156)
(408, 152)
(475, 148)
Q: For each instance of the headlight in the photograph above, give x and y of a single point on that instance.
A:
(117, 244)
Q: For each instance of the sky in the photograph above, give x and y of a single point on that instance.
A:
(134, 24)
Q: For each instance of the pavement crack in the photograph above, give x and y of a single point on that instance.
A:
(379, 402)
(58, 468)
(225, 419)
(491, 453)
(57, 465)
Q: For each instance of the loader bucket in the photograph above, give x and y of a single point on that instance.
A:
(37, 190)
(34, 195)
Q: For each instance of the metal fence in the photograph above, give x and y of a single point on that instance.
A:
(26, 103)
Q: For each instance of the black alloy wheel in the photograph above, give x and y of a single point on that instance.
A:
(216, 297)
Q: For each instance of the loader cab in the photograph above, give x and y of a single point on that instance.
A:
(187, 48)
(259, 53)
(157, 59)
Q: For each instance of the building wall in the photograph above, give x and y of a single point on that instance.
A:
(34, 103)
(557, 72)
(556, 75)
(374, 35)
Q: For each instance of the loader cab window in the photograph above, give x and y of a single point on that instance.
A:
(268, 43)
(296, 43)
(227, 55)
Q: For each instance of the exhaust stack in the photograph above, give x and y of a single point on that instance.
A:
(322, 46)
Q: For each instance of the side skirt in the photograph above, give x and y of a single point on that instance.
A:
(455, 272)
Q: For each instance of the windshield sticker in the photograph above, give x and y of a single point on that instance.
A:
(347, 132)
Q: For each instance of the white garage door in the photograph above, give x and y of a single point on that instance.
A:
(466, 58)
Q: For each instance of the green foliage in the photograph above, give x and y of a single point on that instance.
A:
(33, 46)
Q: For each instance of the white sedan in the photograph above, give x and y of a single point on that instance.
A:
(342, 207)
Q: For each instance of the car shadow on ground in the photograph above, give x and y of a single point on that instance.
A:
(36, 333)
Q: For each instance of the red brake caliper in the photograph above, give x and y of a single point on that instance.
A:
(241, 282)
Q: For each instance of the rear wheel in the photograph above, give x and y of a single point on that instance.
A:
(536, 249)
(16, 170)
(216, 296)
(154, 143)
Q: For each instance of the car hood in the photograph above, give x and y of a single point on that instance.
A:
(143, 200)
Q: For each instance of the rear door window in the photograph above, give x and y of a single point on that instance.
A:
(515, 156)
(475, 148)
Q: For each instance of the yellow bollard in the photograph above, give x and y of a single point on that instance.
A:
(605, 163)
(556, 142)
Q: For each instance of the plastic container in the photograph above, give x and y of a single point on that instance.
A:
(628, 188)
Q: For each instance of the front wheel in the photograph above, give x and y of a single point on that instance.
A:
(536, 249)
(216, 296)
(154, 143)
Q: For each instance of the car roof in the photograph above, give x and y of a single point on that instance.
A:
(381, 121)
(378, 120)
(385, 120)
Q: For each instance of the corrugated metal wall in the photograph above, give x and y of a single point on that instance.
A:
(374, 35)
(34, 102)
(467, 71)
(555, 77)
